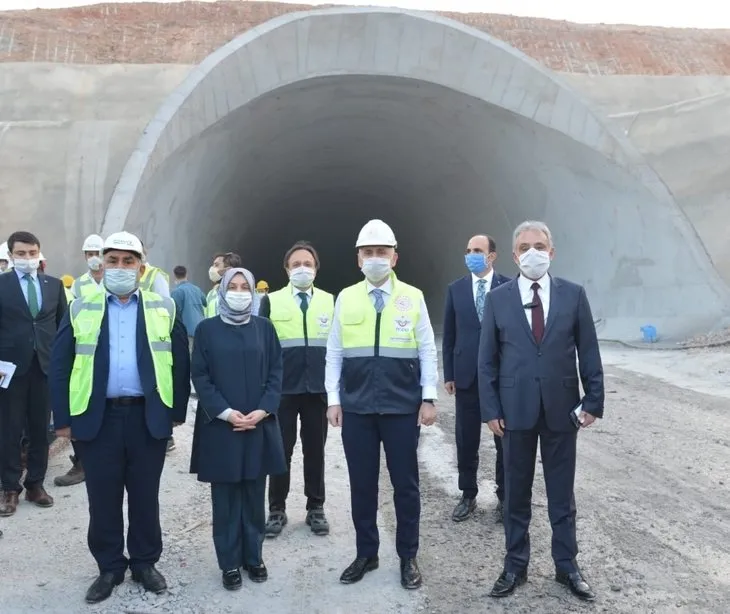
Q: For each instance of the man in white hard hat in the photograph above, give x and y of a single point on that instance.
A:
(381, 379)
(154, 279)
(120, 382)
(93, 280)
(5, 262)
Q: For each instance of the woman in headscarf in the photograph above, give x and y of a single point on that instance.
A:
(237, 373)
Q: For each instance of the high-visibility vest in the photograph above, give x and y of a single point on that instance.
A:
(87, 314)
(381, 371)
(211, 306)
(69, 296)
(147, 281)
(85, 285)
(286, 316)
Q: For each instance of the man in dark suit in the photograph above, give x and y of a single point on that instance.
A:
(465, 300)
(528, 382)
(32, 306)
(120, 380)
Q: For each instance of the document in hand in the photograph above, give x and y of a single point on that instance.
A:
(7, 370)
(575, 415)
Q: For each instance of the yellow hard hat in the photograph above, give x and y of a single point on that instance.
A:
(262, 285)
(68, 281)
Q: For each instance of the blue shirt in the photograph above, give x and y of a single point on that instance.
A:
(24, 286)
(124, 378)
(190, 302)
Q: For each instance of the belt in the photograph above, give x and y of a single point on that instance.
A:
(126, 401)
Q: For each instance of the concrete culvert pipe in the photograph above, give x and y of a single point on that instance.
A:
(311, 124)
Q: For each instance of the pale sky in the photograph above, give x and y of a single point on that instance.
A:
(682, 14)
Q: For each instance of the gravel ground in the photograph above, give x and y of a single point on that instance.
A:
(653, 526)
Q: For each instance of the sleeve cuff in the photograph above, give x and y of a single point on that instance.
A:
(333, 398)
(224, 414)
(430, 392)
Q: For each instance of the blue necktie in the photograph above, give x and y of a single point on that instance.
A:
(481, 297)
(32, 295)
(379, 303)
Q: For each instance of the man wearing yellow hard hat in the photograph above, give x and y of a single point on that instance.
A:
(262, 287)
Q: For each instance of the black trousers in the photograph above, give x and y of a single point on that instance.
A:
(362, 435)
(311, 409)
(558, 453)
(468, 438)
(24, 406)
(124, 456)
(239, 520)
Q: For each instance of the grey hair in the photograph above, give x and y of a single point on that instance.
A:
(532, 225)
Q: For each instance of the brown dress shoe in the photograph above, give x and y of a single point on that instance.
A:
(39, 496)
(8, 503)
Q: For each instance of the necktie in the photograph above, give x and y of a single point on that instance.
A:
(481, 297)
(379, 303)
(538, 314)
(32, 295)
(304, 305)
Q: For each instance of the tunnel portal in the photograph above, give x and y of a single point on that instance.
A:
(315, 122)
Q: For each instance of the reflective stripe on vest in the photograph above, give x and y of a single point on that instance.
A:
(286, 316)
(148, 278)
(357, 318)
(85, 285)
(87, 315)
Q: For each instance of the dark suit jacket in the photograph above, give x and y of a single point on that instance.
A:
(517, 376)
(460, 346)
(159, 417)
(21, 336)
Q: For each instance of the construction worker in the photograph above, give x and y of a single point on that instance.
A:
(221, 263)
(381, 379)
(92, 281)
(120, 382)
(5, 262)
(302, 317)
(154, 279)
(68, 281)
(262, 288)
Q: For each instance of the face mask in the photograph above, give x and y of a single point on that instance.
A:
(476, 263)
(376, 269)
(301, 277)
(120, 282)
(214, 275)
(27, 266)
(238, 301)
(534, 263)
(94, 263)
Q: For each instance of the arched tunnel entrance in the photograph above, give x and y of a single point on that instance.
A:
(308, 126)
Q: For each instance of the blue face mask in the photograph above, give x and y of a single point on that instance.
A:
(476, 263)
(120, 282)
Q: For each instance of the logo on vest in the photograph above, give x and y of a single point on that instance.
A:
(403, 325)
(403, 303)
(324, 320)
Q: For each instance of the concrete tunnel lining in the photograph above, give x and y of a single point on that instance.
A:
(314, 122)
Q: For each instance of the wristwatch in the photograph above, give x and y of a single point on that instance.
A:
(431, 401)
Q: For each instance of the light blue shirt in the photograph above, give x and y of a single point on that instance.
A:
(24, 286)
(124, 380)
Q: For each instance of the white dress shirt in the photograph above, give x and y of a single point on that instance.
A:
(427, 354)
(298, 299)
(475, 283)
(526, 294)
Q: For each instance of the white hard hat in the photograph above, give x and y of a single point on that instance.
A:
(93, 243)
(376, 232)
(124, 241)
(4, 253)
(41, 257)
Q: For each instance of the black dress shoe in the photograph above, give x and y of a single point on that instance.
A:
(410, 575)
(151, 579)
(359, 567)
(232, 580)
(103, 587)
(257, 573)
(464, 509)
(507, 583)
(577, 585)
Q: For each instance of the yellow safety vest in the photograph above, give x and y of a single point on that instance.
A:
(69, 296)
(211, 307)
(147, 281)
(87, 314)
(85, 285)
(286, 316)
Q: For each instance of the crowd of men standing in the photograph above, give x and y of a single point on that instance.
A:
(110, 352)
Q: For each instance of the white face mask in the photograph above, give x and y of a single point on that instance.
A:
(238, 301)
(534, 263)
(94, 263)
(376, 269)
(214, 275)
(301, 277)
(27, 265)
